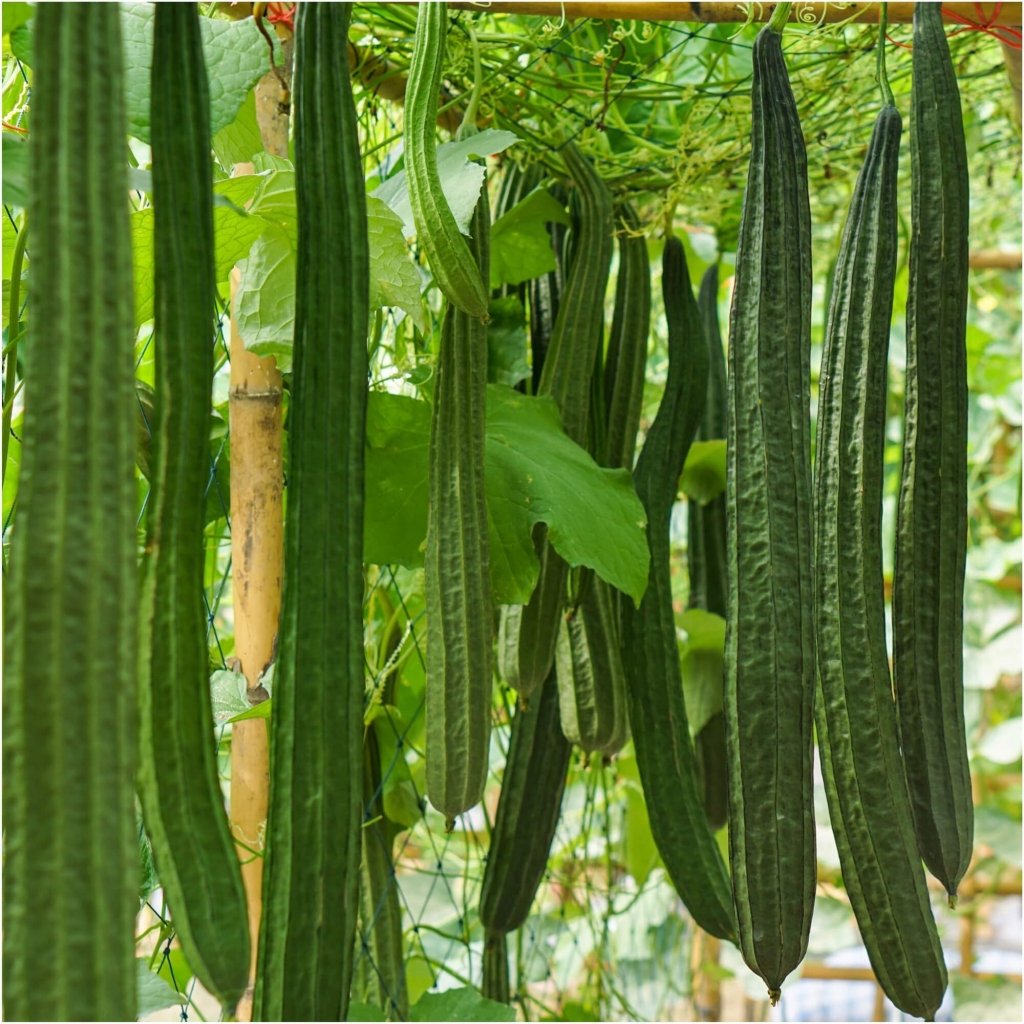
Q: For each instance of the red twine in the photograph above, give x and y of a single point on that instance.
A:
(282, 14)
(1004, 33)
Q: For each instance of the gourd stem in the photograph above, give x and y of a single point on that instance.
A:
(779, 17)
(883, 78)
(468, 125)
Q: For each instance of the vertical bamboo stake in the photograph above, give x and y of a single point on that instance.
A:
(257, 547)
(257, 531)
(707, 992)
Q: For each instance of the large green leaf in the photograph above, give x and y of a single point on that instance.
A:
(154, 992)
(703, 477)
(265, 300)
(236, 56)
(460, 1004)
(234, 233)
(534, 474)
(639, 852)
(15, 170)
(15, 15)
(395, 519)
(461, 178)
(240, 140)
(394, 279)
(520, 243)
(507, 342)
(701, 662)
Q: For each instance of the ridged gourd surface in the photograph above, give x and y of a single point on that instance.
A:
(931, 523)
(70, 642)
(311, 872)
(769, 648)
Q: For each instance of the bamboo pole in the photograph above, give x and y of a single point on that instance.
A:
(257, 547)
(676, 10)
(826, 972)
(996, 259)
(257, 537)
(707, 986)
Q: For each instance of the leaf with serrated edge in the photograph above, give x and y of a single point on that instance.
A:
(535, 473)
(460, 178)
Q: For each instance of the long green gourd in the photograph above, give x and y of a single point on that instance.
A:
(931, 525)
(588, 655)
(869, 804)
(382, 963)
(769, 643)
(528, 810)
(529, 633)
(451, 261)
(456, 563)
(544, 296)
(495, 982)
(577, 334)
(705, 556)
(70, 873)
(626, 358)
(311, 873)
(650, 652)
(588, 668)
(179, 786)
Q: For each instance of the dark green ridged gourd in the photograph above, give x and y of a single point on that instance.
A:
(706, 559)
(769, 643)
(310, 878)
(179, 785)
(588, 656)
(705, 556)
(626, 358)
(528, 810)
(856, 718)
(544, 297)
(381, 969)
(451, 261)
(588, 667)
(529, 633)
(931, 525)
(869, 803)
(657, 711)
(70, 641)
(460, 638)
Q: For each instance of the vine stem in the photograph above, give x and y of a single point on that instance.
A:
(883, 78)
(779, 17)
(14, 328)
(468, 125)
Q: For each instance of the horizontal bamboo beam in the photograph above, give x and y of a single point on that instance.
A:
(996, 259)
(819, 971)
(677, 10)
